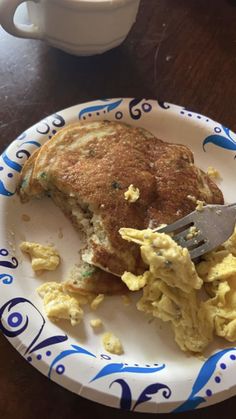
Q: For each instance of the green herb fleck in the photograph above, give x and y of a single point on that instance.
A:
(43, 175)
(116, 185)
(87, 274)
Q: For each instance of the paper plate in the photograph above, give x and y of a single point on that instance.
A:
(152, 375)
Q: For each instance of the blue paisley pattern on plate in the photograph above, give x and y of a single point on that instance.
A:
(222, 137)
(15, 320)
(6, 278)
(12, 162)
(163, 105)
(11, 264)
(75, 350)
(16, 317)
(136, 109)
(205, 374)
(104, 107)
(138, 106)
(126, 400)
(123, 368)
(21, 320)
(48, 126)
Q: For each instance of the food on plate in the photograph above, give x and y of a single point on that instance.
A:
(213, 173)
(86, 279)
(87, 167)
(171, 291)
(165, 258)
(97, 301)
(193, 232)
(27, 182)
(107, 178)
(42, 257)
(96, 323)
(222, 306)
(200, 205)
(172, 284)
(135, 282)
(59, 304)
(218, 270)
(169, 287)
(112, 344)
(132, 194)
(217, 266)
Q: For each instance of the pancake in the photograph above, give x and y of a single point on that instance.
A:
(87, 167)
(28, 185)
(86, 279)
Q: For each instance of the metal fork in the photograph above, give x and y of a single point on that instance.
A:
(214, 225)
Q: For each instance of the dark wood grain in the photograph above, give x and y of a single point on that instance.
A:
(180, 51)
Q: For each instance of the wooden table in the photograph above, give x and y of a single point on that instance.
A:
(180, 51)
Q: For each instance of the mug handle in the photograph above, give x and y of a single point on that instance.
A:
(7, 12)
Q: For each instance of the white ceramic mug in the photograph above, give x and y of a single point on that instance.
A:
(80, 27)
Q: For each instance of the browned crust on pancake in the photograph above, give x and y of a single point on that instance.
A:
(101, 170)
(100, 282)
(114, 263)
(28, 185)
(125, 159)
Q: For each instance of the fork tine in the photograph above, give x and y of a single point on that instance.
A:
(199, 251)
(182, 234)
(176, 225)
(194, 242)
(215, 224)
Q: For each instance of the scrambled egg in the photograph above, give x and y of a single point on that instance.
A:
(97, 301)
(59, 304)
(112, 344)
(219, 265)
(171, 290)
(219, 273)
(200, 205)
(222, 307)
(96, 323)
(165, 259)
(135, 282)
(42, 257)
(192, 327)
(132, 194)
(213, 173)
(193, 232)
